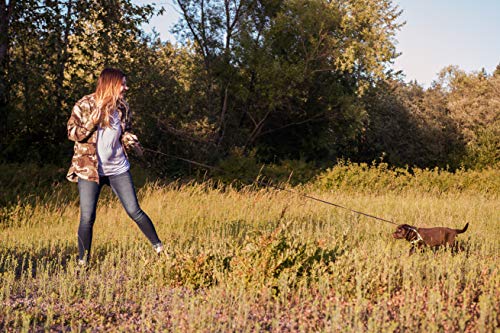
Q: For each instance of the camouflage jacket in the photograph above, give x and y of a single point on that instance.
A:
(82, 130)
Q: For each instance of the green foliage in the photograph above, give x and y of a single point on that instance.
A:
(281, 261)
(245, 170)
(453, 124)
(484, 152)
(410, 126)
(23, 182)
(473, 105)
(55, 52)
(29, 183)
(380, 178)
(273, 75)
(278, 260)
(286, 80)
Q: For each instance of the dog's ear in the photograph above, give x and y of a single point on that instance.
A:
(406, 228)
(400, 228)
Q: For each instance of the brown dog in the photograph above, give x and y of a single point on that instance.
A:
(432, 237)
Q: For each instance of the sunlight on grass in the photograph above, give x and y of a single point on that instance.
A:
(252, 259)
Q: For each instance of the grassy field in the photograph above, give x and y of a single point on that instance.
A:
(252, 260)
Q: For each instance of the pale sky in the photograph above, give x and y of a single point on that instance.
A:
(437, 33)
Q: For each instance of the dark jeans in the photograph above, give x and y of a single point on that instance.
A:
(89, 194)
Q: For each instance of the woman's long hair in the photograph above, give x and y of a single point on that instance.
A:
(108, 93)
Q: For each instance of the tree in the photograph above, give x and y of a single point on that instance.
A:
(286, 76)
(473, 104)
(410, 126)
(54, 51)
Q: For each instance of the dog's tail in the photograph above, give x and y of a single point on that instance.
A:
(464, 229)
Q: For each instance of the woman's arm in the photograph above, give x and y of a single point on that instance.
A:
(129, 140)
(82, 122)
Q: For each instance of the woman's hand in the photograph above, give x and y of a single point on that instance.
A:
(131, 142)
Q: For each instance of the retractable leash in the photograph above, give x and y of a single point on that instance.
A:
(276, 187)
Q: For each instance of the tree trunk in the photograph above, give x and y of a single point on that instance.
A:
(5, 13)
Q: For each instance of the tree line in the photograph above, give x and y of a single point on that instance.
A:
(270, 80)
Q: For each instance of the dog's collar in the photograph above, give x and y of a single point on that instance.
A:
(419, 238)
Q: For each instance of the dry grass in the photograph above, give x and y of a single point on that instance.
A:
(252, 260)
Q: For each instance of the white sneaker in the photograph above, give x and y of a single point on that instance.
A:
(158, 248)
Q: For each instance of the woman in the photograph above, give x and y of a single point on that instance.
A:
(100, 126)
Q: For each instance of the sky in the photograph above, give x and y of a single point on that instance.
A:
(437, 33)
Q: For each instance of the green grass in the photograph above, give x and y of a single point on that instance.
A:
(252, 260)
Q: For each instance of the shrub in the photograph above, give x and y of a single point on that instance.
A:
(246, 169)
(347, 176)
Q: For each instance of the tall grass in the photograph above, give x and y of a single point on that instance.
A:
(252, 260)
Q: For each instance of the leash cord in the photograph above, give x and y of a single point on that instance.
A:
(183, 159)
(330, 203)
(274, 186)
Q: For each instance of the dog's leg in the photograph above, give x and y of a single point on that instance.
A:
(457, 247)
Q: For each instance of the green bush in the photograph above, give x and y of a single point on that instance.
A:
(20, 182)
(30, 183)
(347, 176)
(246, 169)
(278, 259)
(485, 151)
